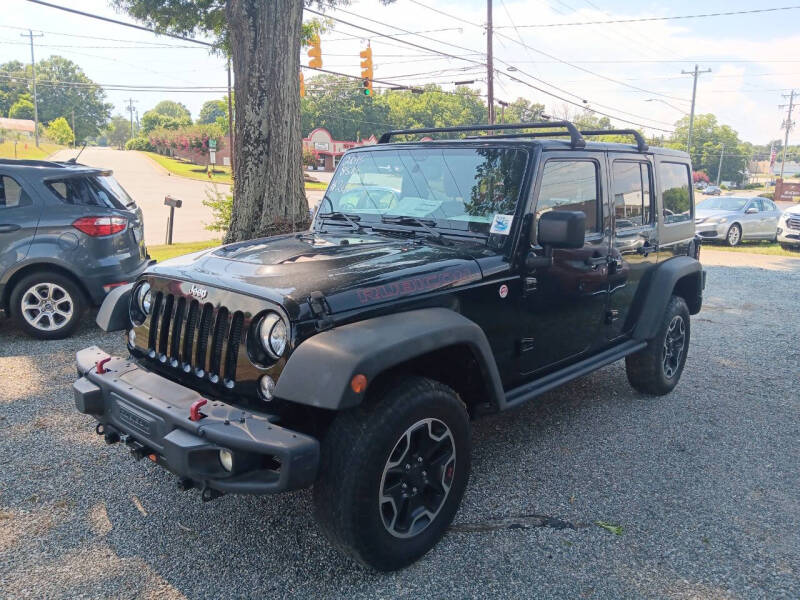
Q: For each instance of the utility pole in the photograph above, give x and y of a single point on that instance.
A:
(35, 103)
(74, 137)
(787, 124)
(719, 169)
(695, 74)
(230, 115)
(130, 110)
(489, 62)
(502, 111)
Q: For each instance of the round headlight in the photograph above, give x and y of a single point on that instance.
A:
(144, 298)
(274, 335)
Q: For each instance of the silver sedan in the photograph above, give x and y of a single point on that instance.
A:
(732, 219)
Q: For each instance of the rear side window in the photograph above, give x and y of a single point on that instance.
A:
(632, 196)
(11, 194)
(79, 191)
(571, 185)
(675, 193)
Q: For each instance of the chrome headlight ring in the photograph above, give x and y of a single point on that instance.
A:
(273, 334)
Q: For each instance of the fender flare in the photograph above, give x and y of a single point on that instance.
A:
(319, 371)
(662, 284)
(114, 313)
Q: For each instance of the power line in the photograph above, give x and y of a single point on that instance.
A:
(672, 18)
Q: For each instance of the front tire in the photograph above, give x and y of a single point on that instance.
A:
(393, 472)
(657, 368)
(734, 235)
(47, 305)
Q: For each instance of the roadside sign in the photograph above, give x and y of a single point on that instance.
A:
(212, 144)
(212, 157)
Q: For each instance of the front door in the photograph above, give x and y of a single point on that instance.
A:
(563, 305)
(19, 217)
(634, 250)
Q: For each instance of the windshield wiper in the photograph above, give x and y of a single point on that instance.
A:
(409, 220)
(335, 214)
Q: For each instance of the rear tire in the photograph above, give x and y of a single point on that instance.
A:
(734, 235)
(657, 368)
(47, 305)
(392, 473)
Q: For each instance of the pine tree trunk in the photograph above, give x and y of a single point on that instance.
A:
(269, 196)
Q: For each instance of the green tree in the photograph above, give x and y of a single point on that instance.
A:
(213, 110)
(167, 114)
(118, 131)
(21, 109)
(170, 108)
(433, 108)
(522, 111)
(60, 132)
(708, 139)
(263, 40)
(13, 84)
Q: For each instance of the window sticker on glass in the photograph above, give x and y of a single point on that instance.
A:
(501, 224)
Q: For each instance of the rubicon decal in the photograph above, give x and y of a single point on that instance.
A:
(418, 284)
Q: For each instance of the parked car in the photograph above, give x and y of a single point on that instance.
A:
(712, 190)
(352, 356)
(68, 235)
(731, 219)
(789, 228)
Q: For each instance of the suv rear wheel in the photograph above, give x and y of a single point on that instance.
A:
(47, 305)
(657, 369)
(393, 472)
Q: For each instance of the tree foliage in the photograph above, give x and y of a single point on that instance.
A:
(118, 131)
(708, 139)
(166, 114)
(60, 132)
(22, 108)
(213, 110)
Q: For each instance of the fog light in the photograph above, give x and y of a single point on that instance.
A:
(267, 385)
(226, 458)
(132, 337)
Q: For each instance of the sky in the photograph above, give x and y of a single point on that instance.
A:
(630, 71)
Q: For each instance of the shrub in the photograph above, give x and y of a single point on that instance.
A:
(221, 206)
(770, 195)
(60, 132)
(752, 186)
(139, 143)
(192, 139)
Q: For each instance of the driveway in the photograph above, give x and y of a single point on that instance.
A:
(704, 484)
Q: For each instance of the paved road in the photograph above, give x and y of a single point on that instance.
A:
(148, 183)
(704, 483)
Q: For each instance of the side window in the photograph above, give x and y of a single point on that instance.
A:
(756, 203)
(571, 185)
(11, 194)
(632, 196)
(675, 193)
(769, 204)
(77, 190)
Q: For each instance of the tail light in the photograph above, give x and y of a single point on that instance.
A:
(99, 226)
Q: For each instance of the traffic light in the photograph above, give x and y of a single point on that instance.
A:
(302, 85)
(315, 54)
(366, 70)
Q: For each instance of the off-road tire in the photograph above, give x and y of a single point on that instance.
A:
(61, 329)
(355, 451)
(645, 369)
(737, 239)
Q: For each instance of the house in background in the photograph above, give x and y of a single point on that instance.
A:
(24, 126)
(328, 151)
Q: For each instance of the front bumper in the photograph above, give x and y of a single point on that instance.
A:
(712, 231)
(787, 235)
(152, 415)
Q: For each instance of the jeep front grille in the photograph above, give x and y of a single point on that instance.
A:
(187, 334)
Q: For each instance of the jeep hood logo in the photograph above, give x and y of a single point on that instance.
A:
(198, 292)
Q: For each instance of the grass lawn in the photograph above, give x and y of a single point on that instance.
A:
(31, 152)
(220, 174)
(753, 248)
(164, 252)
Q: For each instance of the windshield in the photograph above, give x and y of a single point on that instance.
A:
(728, 203)
(461, 189)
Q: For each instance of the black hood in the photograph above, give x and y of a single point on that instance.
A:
(352, 270)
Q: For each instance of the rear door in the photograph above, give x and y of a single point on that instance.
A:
(19, 218)
(564, 305)
(752, 226)
(634, 250)
(771, 215)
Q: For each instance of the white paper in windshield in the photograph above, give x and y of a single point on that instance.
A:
(501, 224)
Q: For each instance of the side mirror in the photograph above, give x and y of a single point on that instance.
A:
(562, 229)
(751, 211)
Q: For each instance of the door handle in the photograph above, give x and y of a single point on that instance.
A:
(9, 227)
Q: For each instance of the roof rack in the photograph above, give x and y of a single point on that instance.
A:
(641, 144)
(576, 139)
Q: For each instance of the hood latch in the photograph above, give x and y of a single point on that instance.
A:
(321, 310)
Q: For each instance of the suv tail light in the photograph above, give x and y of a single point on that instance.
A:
(99, 226)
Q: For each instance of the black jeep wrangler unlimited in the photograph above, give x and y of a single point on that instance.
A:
(440, 280)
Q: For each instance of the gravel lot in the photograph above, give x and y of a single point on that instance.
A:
(705, 484)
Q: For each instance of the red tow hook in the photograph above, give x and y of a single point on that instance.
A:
(194, 411)
(99, 366)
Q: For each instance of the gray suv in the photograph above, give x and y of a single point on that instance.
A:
(69, 234)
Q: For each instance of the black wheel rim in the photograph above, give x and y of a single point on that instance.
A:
(674, 346)
(417, 478)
